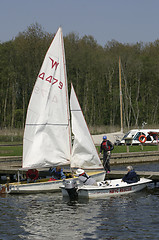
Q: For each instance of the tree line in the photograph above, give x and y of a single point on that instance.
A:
(94, 72)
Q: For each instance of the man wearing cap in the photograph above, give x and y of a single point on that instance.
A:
(84, 178)
(105, 147)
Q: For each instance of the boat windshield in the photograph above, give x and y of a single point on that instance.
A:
(125, 135)
(138, 135)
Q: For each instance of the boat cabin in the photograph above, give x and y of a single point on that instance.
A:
(138, 136)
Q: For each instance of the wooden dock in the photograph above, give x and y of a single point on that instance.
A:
(9, 166)
(134, 157)
(116, 158)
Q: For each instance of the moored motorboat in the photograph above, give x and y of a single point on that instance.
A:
(103, 189)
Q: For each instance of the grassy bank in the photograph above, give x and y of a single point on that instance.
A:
(135, 148)
(11, 149)
(11, 138)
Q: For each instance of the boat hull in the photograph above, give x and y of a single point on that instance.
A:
(43, 186)
(37, 187)
(108, 188)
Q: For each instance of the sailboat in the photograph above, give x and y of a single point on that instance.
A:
(47, 138)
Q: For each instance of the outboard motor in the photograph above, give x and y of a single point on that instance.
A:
(71, 188)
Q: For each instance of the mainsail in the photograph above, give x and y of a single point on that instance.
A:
(47, 135)
(47, 140)
(84, 153)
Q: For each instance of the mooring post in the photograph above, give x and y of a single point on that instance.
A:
(155, 183)
(128, 141)
(18, 176)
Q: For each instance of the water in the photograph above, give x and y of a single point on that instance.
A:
(154, 167)
(49, 216)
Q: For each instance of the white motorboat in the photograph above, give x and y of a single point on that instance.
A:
(47, 138)
(103, 189)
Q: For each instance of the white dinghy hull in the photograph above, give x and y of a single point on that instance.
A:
(108, 188)
(45, 186)
(37, 187)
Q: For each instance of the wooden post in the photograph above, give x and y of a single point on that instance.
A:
(18, 177)
(121, 111)
(127, 146)
(8, 180)
(142, 148)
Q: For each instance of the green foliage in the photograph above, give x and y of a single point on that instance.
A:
(18, 117)
(94, 72)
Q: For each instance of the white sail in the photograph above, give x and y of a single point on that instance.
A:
(47, 132)
(84, 153)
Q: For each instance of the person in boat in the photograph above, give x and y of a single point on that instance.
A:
(84, 178)
(57, 173)
(32, 175)
(131, 176)
(106, 147)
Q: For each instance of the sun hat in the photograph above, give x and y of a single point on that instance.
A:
(79, 172)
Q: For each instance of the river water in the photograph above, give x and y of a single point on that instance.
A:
(49, 216)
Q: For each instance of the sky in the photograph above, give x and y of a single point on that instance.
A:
(126, 21)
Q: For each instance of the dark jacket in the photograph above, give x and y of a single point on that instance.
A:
(106, 146)
(131, 177)
(32, 174)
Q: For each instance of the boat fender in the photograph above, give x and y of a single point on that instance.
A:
(142, 138)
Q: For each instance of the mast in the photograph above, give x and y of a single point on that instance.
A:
(121, 111)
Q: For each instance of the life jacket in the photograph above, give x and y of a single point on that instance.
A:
(105, 146)
(86, 176)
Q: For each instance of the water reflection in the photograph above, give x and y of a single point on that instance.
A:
(126, 217)
(49, 216)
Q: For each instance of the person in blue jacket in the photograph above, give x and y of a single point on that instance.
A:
(131, 176)
(57, 173)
